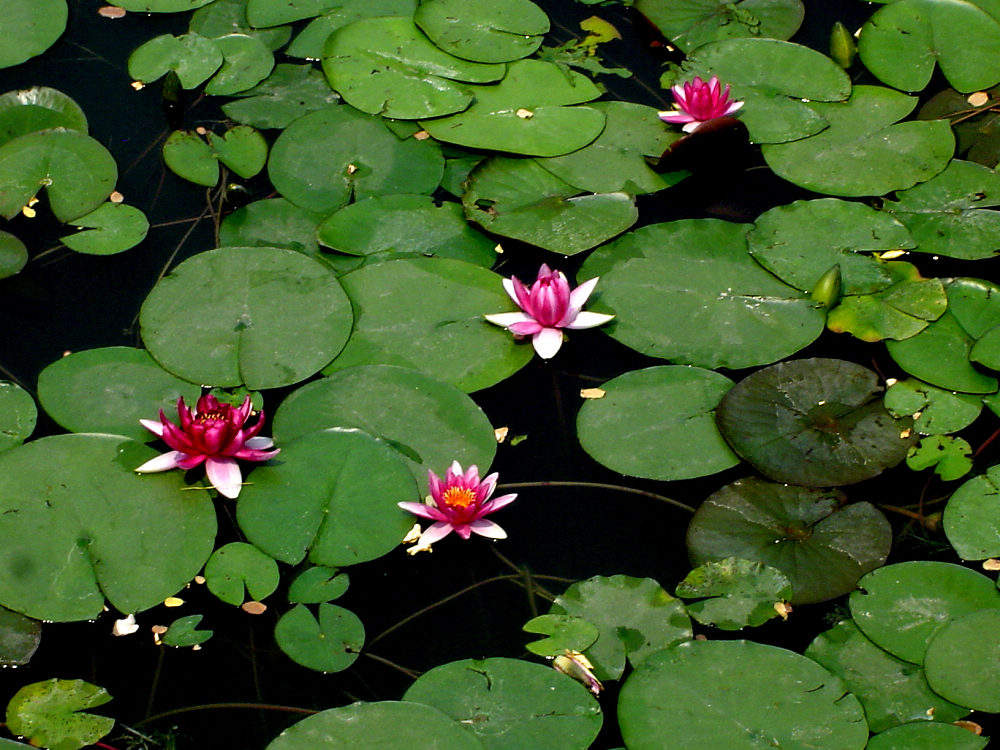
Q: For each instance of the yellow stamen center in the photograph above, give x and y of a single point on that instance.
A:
(458, 497)
(210, 415)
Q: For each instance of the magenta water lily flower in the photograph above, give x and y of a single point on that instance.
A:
(459, 503)
(697, 102)
(214, 434)
(547, 307)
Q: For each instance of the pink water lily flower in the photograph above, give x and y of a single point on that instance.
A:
(214, 434)
(697, 102)
(459, 503)
(548, 306)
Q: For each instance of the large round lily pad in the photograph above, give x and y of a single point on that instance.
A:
(110, 228)
(963, 660)
(719, 688)
(658, 423)
(489, 31)
(28, 29)
(511, 704)
(928, 736)
(814, 422)
(278, 318)
(971, 518)
(688, 24)
(78, 529)
(822, 545)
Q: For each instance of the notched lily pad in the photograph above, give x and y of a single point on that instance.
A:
(110, 228)
(317, 584)
(52, 714)
(183, 632)
(734, 593)
(192, 57)
(489, 31)
(949, 456)
(563, 633)
(329, 643)
(935, 411)
(238, 566)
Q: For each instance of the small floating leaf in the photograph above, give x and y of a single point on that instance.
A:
(51, 714)
(330, 643)
(110, 228)
(239, 565)
(183, 632)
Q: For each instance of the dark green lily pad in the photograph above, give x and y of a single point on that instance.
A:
(309, 42)
(510, 704)
(192, 57)
(927, 736)
(190, 158)
(518, 198)
(901, 607)
(288, 93)
(38, 108)
(489, 31)
(110, 228)
(891, 690)
(272, 12)
(658, 423)
(183, 632)
(246, 61)
(222, 17)
(318, 584)
(160, 6)
(387, 725)
(732, 594)
(19, 638)
(719, 687)
(329, 643)
(272, 222)
(329, 157)
(865, 151)
(110, 390)
(971, 520)
(18, 414)
(935, 411)
(949, 456)
(901, 43)
(76, 171)
(563, 633)
(51, 714)
(428, 421)
(241, 148)
(773, 78)
(963, 660)
(237, 334)
(635, 616)
(331, 494)
(239, 566)
(13, 255)
(446, 336)
(814, 422)
(688, 24)
(386, 66)
(800, 241)
(668, 283)
(29, 28)
(975, 127)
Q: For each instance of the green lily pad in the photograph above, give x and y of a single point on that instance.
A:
(399, 225)
(110, 228)
(38, 108)
(386, 66)
(975, 127)
(13, 255)
(658, 423)
(891, 690)
(309, 42)
(734, 593)
(235, 334)
(488, 31)
(814, 422)
(525, 113)
(520, 199)
(668, 283)
(773, 78)
(183, 632)
(822, 545)
(428, 421)
(241, 148)
(190, 158)
(68, 547)
(19, 638)
(689, 24)
(902, 41)
(948, 215)
(160, 6)
(29, 28)
(563, 633)
(318, 584)
(387, 725)
(239, 566)
(18, 414)
(246, 61)
(901, 607)
(986, 350)
(963, 660)
(272, 222)
(223, 17)
(329, 643)
(192, 57)
(971, 520)
(331, 495)
(935, 411)
(510, 704)
(446, 336)
(327, 158)
(635, 616)
(949, 456)
(110, 390)
(77, 172)
(927, 736)
(273, 12)
(800, 241)
(719, 688)
(865, 151)
(51, 714)
(288, 93)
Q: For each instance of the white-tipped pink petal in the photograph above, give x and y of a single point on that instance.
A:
(435, 533)
(508, 319)
(224, 474)
(153, 425)
(691, 126)
(547, 342)
(589, 320)
(734, 106)
(508, 285)
(424, 511)
(500, 502)
(163, 462)
(487, 528)
(578, 297)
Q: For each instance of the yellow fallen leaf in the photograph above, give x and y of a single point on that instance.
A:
(254, 608)
(500, 433)
(172, 601)
(592, 393)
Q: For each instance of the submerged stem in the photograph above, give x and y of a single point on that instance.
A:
(597, 486)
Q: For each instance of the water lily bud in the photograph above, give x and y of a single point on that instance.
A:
(843, 48)
(826, 293)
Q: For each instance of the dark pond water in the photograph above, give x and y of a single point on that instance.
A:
(67, 302)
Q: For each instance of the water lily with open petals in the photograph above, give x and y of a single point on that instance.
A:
(459, 503)
(214, 434)
(697, 102)
(548, 306)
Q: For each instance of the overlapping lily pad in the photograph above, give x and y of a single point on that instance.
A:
(272, 222)
(19, 638)
(223, 17)
(963, 660)
(160, 6)
(30, 28)
(935, 411)
(38, 108)
(288, 93)
(309, 42)
(279, 317)
(110, 228)
(928, 736)
(270, 13)
(732, 594)
(865, 150)
(191, 56)
(563, 633)
(688, 24)
(17, 415)
(489, 31)
(246, 61)
(668, 283)
(971, 518)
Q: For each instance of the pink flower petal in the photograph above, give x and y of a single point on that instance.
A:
(547, 342)
(163, 462)
(508, 319)
(589, 320)
(528, 328)
(153, 425)
(498, 503)
(463, 530)
(435, 533)
(424, 511)
(675, 117)
(487, 528)
(582, 293)
(224, 474)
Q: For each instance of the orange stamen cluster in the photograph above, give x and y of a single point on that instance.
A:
(458, 497)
